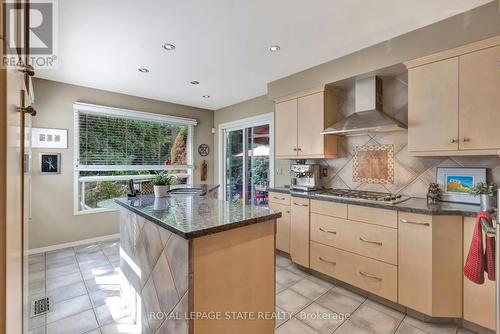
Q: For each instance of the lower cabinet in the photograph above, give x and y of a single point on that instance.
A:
(430, 264)
(371, 275)
(282, 226)
(479, 300)
(299, 231)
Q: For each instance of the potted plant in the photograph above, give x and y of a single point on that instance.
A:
(487, 193)
(161, 183)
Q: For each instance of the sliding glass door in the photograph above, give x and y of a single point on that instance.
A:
(247, 163)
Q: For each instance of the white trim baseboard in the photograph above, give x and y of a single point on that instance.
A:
(72, 244)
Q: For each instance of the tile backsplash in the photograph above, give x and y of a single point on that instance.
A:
(412, 175)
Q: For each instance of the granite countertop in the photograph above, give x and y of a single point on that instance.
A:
(414, 205)
(191, 216)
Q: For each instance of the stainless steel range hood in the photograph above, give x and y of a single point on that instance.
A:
(369, 116)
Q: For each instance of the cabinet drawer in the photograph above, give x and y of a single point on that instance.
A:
(370, 215)
(377, 242)
(282, 226)
(371, 275)
(415, 219)
(279, 198)
(329, 208)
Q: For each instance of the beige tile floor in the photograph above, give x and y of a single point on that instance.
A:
(85, 286)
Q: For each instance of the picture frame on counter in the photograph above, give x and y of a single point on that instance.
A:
(455, 183)
(49, 138)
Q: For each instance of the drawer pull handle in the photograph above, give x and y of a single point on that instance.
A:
(326, 231)
(370, 276)
(330, 262)
(370, 241)
(287, 211)
(300, 204)
(279, 198)
(404, 221)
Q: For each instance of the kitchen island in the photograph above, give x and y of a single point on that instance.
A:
(194, 264)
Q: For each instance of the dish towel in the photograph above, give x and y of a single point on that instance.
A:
(478, 261)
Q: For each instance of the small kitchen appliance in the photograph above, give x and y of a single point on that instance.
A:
(305, 177)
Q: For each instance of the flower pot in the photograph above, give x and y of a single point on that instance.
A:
(488, 203)
(161, 191)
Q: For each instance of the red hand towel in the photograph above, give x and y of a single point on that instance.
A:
(490, 252)
(474, 265)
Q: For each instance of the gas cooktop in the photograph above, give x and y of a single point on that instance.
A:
(365, 196)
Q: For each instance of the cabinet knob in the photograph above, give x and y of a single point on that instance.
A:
(453, 141)
(466, 140)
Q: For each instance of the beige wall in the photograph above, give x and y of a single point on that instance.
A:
(477, 24)
(52, 195)
(253, 107)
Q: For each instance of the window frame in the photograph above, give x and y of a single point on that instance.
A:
(131, 114)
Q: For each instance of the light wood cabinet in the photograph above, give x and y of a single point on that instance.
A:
(281, 203)
(370, 275)
(300, 118)
(282, 226)
(479, 300)
(430, 264)
(480, 100)
(376, 242)
(286, 128)
(433, 106)
(299, 231)
(453, 101)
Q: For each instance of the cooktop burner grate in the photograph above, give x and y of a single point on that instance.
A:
(372, 196)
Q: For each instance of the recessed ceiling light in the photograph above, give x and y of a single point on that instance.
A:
(194, 82)
(274, 48)
(168, 46)
(143, 70)
(206, 96)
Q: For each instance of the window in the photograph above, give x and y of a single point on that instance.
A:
(113, 146)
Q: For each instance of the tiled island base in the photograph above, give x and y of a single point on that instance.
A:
(199, 285)
(154, 264)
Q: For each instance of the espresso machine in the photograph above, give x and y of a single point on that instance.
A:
(304, 177)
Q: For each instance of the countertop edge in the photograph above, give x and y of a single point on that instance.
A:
(203, 232)
(436, 211)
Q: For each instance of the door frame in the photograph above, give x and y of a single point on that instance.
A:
(263, 119)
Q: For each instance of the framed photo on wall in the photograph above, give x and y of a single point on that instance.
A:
(455, 183)
(49, 138)
(50, 163)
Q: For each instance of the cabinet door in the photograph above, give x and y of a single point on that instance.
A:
(433, 106)
(282, 226)
(310, 123)
(480, 99)
(479, 300)
(415, 263)
(286, 128)
(299, 231)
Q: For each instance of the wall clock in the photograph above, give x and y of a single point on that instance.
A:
(203, 150)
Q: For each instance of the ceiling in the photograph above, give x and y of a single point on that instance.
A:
(223, 44)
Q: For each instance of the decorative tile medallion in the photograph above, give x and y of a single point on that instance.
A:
(373, 164)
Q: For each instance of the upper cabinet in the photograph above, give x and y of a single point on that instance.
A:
(300, 118)
(453, 101)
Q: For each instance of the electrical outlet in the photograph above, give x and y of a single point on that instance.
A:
(324, 172)
(279, 171)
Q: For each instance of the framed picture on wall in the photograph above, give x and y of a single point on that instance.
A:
(455, 183)
(50, 163)
(49, 138)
